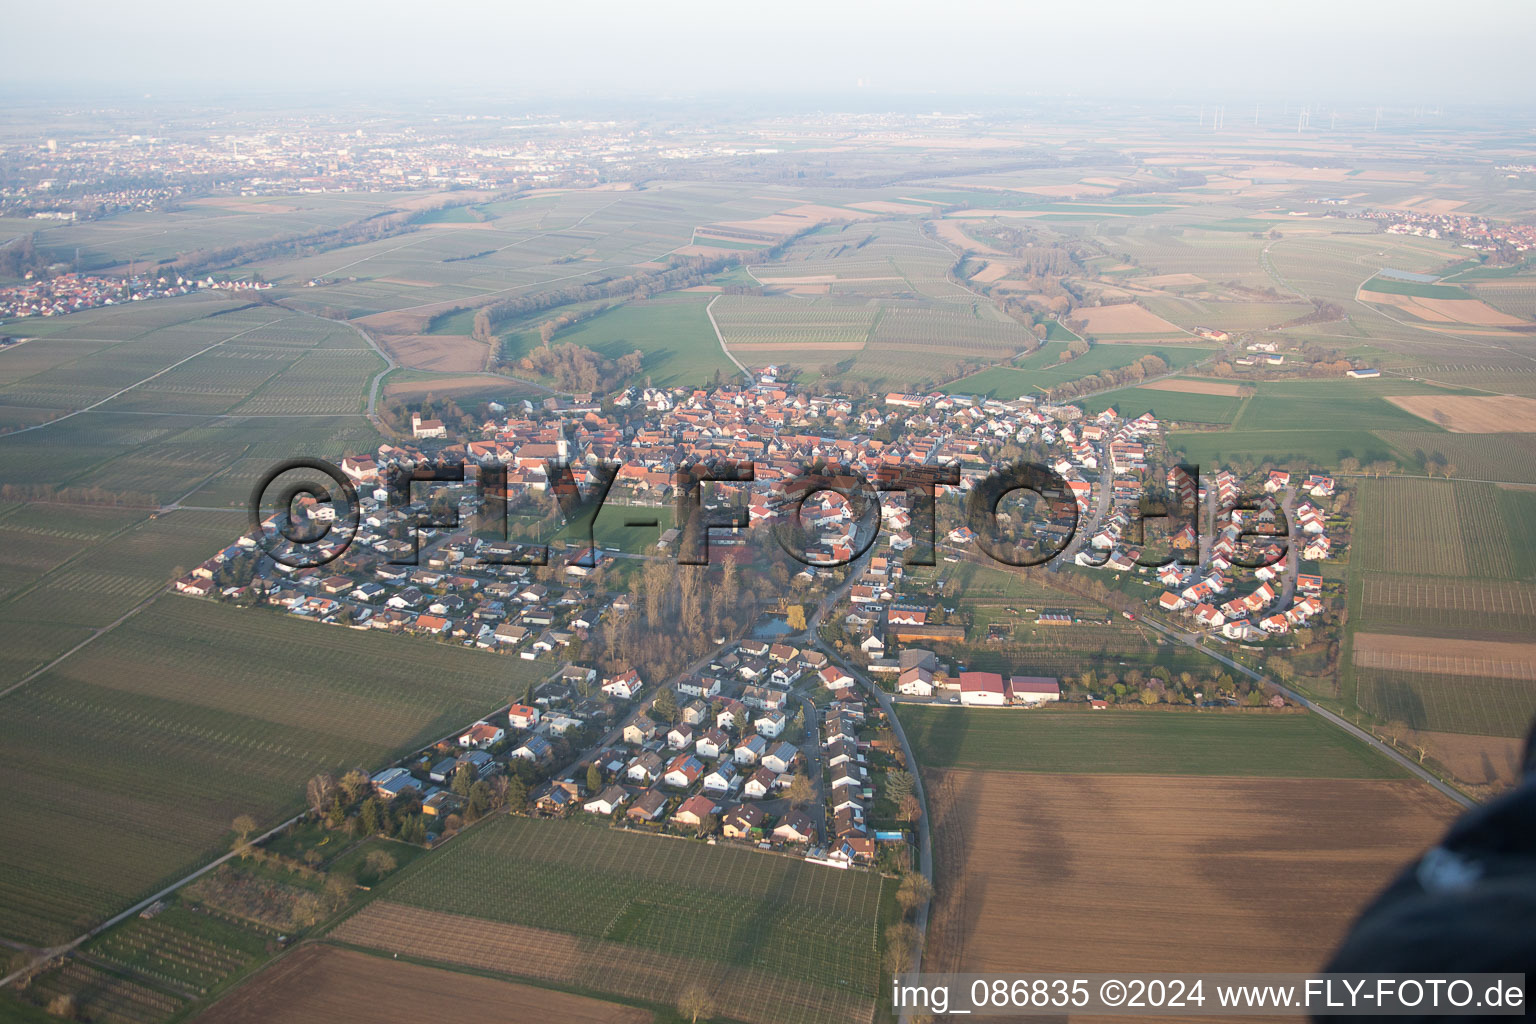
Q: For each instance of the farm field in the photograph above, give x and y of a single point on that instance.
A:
(1515, 296)
(1329, 404)
(1151, 742)
(195, 713)
(100, 578)
(1166, 404)
(672, 332)
(1474, 609)
(1466, 702)
(211, 225)
(1490, 658)
(781, 323)
(324, 983)
(1316, 449)
(784, 940)
(1009, 382)
(1503, 456)
(1126, 318)
(1473, 414)
(1251, 874)
(1443, 528)
(1441, 609)
(218, 359)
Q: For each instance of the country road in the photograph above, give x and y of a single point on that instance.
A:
(1193, 640)
(812, 636)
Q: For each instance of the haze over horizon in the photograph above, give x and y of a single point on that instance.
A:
(1366, 53)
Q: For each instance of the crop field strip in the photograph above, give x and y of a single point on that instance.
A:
(195, 713)
(1442, 528)
(754, 995)
(1498, 659)
(1468, 607)
(1043, 368)
(190, 951)
(1517, 378)
(1463, 703)
(1503, 457)
(323, 982)
(1117, 742)
(107, 997)
(794, 934)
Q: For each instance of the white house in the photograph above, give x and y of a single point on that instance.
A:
(915, 682)
(982, 689)
(606, 802)
(770, 724)
(623, 686)
(711, 742)
(780, 757)
(1034, 689)
(750, 750)
(721, 778)
(481, 735)
(521, 716)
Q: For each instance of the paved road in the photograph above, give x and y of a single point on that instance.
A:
(811, 748)
(1193, 640)
(1085, 531)
(924, 838)
(812, 636)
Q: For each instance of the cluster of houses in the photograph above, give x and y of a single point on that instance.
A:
(727, 751)
(462, 587)
(71, 293)
(1206, 593)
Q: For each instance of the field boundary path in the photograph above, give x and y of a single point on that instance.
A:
(45, 955)
(709, 312)
(146, 380)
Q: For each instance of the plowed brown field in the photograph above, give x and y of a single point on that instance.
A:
(1149, 873)
(324, 983)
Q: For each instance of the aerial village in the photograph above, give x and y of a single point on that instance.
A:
(71, 293)
(776, 739)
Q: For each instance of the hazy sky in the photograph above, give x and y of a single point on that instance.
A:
(1337, 51)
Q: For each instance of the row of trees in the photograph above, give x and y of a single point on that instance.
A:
(368, 229)
(1143, 368)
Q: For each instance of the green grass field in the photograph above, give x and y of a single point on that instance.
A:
(1318, 449)
(1170, 406)
(672, 331)
(1419, 289)
(1333, 405)
(141, 748)
(1042, 369)
(1139, 742)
